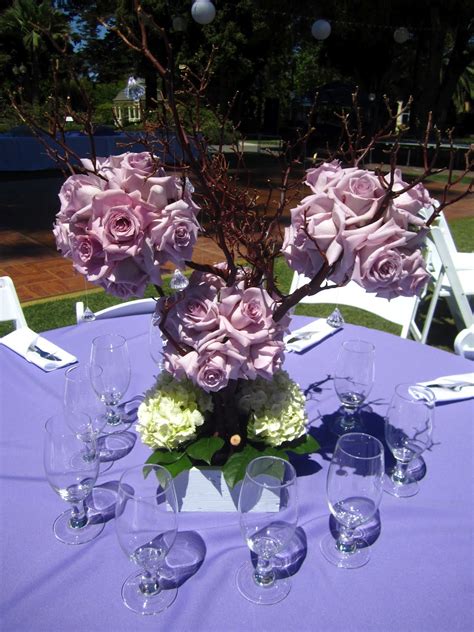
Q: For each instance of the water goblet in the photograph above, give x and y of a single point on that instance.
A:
(408, 430)
(353, 380)
(146, 523)
(71, 469)
(268, 508)
(354, 490)
(110, 377)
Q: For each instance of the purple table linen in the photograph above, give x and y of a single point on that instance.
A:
(419, 578)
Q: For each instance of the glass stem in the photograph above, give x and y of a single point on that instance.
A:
(348, 421)
(113, 417)
(78, 518)
(345, 542)
(399, 474)
(149, 584)
(264, 574)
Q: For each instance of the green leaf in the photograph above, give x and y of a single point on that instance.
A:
(165, 457)
(234, 469)
(184, 463)
(205, 448)
(306, 445)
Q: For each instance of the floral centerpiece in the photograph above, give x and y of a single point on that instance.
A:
(223, 396)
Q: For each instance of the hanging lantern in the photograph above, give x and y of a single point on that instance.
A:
(321, 29)
(401, 35)
(179, 24)
(203, 11)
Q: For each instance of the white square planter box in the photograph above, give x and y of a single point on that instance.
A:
(206, 490)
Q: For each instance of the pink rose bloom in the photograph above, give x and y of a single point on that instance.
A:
(360, 193)
(119, 221)
(250, 309)
(125, 279)
(388, 265)
(174, 234)
(88, 257)
(76, 196)
(319, 179)
(62, 234)
(405, 208)
(223, 355)
(325, 221)
(197, 313)
(265, 358)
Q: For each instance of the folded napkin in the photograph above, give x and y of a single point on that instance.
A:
(301, 339)
(443, 394)
(37, 350)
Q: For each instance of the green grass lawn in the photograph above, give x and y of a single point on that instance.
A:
(53, 313)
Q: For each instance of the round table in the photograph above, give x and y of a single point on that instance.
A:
(420, 574)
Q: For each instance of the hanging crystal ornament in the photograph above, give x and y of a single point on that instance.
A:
(335, 319)
(134, 89)
(178, 282)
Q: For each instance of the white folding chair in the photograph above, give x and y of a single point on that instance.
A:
(400, 310)
(464, 343)
(10, 308)
(139, 306)
(452, 275)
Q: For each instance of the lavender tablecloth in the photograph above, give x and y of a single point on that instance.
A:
(420, 576)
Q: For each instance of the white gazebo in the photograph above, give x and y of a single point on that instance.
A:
(126, 109)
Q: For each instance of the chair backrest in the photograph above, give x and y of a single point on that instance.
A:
(457, 290)
(139, 306)
(400, 310)
(10, 308)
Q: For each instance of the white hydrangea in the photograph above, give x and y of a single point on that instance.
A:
(171, 412)
(276, 408)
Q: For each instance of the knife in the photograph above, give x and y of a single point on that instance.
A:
(45, 354)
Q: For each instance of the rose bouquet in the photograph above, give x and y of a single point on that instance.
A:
(123, 219)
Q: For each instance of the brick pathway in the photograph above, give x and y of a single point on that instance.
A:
(28, 254)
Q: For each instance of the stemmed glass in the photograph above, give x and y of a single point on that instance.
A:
(146, 522)
(354, 491)
(71, 469)
(110, 376)
(353, 380)
(408, 429)
(79, 396)
(268, 507)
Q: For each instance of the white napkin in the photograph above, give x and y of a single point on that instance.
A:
(446, 395)
(319, 329)
(24, 341)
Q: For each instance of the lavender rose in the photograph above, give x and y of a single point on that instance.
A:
(118, 221)
(389, 265)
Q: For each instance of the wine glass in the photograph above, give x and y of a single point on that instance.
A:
(110, 377)
(353, 380)
(408, 429)
(354, 491)
(71, 470)
(146, 523)
(268, 507)
(79, 396)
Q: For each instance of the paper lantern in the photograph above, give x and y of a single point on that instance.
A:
(321, 29)
(401, 35)
(203, 11)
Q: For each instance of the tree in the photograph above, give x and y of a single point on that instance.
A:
(22, 26)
